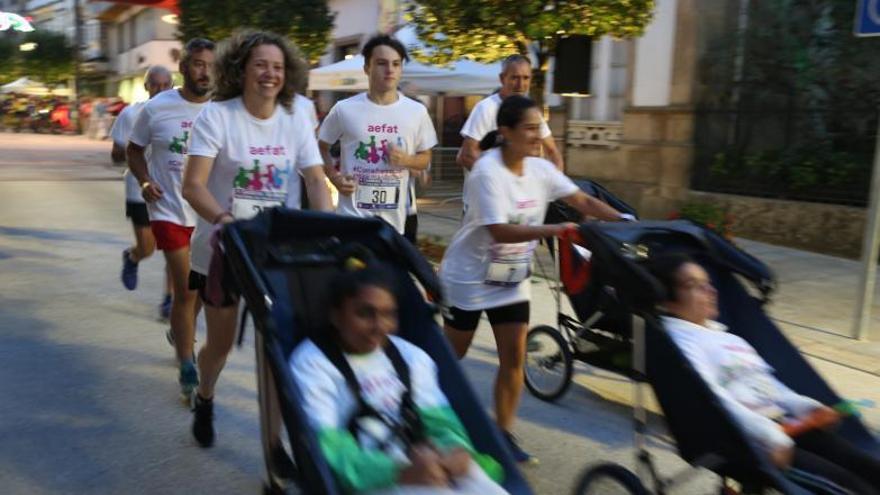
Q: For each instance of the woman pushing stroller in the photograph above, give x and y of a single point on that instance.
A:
(769, 412)
(488, 262)
(374, 400)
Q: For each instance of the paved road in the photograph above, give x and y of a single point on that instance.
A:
(89, 384)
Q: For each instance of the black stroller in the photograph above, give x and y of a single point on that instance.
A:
(282, 260)
(617, 307)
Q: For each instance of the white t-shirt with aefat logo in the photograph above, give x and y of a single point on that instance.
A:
(477, 272)
(165, 124)
(254, 161)
(120, 133)
(366, 132)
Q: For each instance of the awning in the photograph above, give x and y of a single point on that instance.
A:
(464, 77)
(159, 4)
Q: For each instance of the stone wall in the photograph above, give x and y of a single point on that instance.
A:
(819, 227)
(651, 167)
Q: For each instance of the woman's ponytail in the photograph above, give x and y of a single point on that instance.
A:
(490, 140)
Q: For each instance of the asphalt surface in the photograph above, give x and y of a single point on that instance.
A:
(88, 384)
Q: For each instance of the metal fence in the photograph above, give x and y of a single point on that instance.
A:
(443, 166)
(807, 155)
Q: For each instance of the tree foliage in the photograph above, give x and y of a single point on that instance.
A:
(308, 23)
(50, 62)
(799, 120)
(10, 67)
(796, 53)
(489, 30)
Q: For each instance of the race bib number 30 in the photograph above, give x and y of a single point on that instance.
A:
(378, 193)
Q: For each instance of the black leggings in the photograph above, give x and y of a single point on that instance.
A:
(827, 455)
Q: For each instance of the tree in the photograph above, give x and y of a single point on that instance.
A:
(799, 119)
(309, 23)
(489, 30)
(9, 62)
(52, 59)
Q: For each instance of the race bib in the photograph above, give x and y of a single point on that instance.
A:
(247, 206)
(378, 192)
(509, 264)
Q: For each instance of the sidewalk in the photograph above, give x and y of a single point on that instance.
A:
(813, 305)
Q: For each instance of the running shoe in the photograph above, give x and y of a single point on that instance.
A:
(203, 421)
(129, 271)
(520, 455)
(188, 379)
(165, 308)
(282, 466)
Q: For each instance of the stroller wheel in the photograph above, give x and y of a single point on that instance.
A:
(549, 363)
(610, 479)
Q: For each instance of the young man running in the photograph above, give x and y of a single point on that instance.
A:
(383, 136)
(156, 80)
(165, 124)
(516, 78)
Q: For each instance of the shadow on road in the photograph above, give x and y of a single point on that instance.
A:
(62, 235)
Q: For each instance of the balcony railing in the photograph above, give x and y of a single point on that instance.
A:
(591, 133)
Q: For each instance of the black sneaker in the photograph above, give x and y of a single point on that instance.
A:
(203, 421)
(519, 455)
(282, 465)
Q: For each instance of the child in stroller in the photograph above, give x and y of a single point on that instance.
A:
(767, 410)
(374, 400)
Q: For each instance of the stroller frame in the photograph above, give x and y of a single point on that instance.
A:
(569, 330)
(261, 270)
(732, 455)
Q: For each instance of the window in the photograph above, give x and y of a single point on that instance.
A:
(608, 80)
(132, 31)
(346, 51)
(120, 38)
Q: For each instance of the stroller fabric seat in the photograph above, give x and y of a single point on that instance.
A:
(283, 260)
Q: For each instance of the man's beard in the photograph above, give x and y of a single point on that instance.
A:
(194, 88)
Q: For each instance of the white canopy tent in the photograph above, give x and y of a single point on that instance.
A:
(464, 77)
(31, 87)
(20, 85)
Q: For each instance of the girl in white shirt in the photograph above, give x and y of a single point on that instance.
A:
(247, 148)
(488, 262)
(379, 447)
(746, 387)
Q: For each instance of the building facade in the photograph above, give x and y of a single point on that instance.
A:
(133, 38)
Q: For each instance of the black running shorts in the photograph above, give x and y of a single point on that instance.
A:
(137, 212)
(467, 320)
(199, 282)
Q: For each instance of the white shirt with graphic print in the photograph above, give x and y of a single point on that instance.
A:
(256, 161)
(120, 133)
(165, 124)
(741, 379)
(329, 403)
(476, 271)
(366, 132)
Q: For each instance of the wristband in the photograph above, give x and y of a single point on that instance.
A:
(144, 184)
(220, 217)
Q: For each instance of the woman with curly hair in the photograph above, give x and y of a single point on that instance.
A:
(247, 148)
